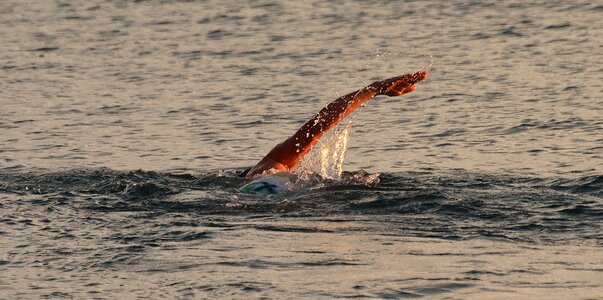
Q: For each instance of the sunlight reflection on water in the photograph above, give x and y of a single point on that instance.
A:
(486, 180)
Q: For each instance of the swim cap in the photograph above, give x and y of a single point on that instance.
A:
(267, 185)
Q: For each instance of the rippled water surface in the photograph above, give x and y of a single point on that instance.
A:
(124, 124)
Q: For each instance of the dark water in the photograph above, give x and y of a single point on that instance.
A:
(100, 232)
(123, 125)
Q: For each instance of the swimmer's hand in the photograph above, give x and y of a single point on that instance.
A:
(399, 85)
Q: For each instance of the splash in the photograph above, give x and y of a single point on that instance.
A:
(333, 153)
(327, 157)
(384, 63)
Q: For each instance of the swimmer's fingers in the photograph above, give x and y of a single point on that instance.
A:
(399, 91)
(400, 85)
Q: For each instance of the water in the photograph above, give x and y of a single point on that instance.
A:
(123, 125)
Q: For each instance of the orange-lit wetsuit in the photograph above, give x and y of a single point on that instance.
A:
(286, 155)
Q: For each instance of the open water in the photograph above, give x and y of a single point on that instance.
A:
(123, 125)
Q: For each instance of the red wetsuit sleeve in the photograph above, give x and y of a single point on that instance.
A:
(286, 155)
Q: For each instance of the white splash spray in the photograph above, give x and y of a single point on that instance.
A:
(333, 153)
(327, 157)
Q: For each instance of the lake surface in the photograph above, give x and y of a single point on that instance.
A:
(124, 124)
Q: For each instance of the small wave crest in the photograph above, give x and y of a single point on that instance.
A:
(457, 204)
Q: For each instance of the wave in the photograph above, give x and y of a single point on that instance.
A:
(454, 205)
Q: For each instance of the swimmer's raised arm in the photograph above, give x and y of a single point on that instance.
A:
(286, 155)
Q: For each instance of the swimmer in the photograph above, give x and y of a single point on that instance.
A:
(286, 155)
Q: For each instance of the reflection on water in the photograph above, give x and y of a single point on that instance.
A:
(486, 181)
(403, 235)
(127, 85)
